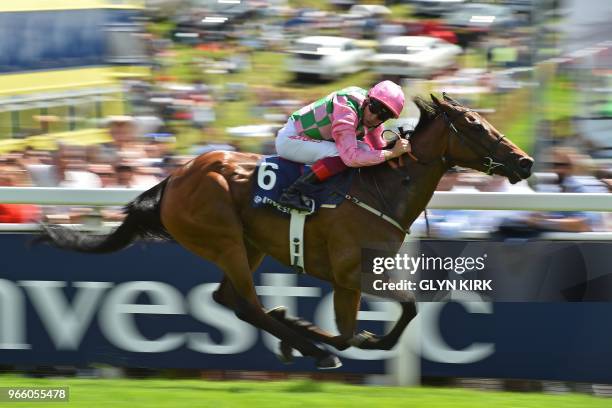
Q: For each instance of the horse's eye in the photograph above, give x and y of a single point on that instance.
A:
(476, 122)
(472, 120)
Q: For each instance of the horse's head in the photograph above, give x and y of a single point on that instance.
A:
(475, 143)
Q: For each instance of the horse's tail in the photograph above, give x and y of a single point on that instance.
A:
(142, 220)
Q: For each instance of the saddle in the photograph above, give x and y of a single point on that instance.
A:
(274, 174)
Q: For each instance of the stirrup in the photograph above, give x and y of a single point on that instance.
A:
(312, 205)
(303, 201)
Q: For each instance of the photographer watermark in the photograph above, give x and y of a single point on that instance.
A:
(434, 285)
(502, 271)
(425, 275)
(411, 264)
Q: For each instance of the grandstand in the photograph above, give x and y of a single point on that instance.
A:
(60, 74)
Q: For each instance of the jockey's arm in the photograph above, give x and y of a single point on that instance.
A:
(391, 149)
(343, 133)
(344, 123)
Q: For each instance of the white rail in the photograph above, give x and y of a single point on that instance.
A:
(440, 200)
(107, 227)
(67, 196)
(524, 201)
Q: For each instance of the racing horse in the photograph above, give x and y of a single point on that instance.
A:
(206, 207)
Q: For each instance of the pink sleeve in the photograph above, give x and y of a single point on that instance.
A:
(375, 139)
(344, 123)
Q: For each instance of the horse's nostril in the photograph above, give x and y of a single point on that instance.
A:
(525, 163)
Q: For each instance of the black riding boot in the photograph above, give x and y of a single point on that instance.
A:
(293, 195)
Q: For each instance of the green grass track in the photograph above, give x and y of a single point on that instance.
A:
(218, 394)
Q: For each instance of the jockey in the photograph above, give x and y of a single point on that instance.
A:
(343, 129)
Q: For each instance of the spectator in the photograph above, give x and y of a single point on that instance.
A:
(13, 176)
(123, 130)
(106, 173)
(126, 176)
(451, 223)
(572, 170)
(69, 169)
(505, 223)
(147, 176)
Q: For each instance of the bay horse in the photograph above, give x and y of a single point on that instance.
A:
(206, 207)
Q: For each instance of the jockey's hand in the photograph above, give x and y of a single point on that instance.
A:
(401, 146)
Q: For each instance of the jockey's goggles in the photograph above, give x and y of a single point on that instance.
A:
(379, 109)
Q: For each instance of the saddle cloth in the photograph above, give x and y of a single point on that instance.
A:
(273, 174)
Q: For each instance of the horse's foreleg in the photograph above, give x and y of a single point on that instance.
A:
(366, 340)
(346, 307)
(369, 341)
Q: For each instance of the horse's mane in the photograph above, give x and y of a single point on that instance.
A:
(428, 112)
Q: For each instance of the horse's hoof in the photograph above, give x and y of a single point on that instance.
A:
(278, 312)
(329, 363)
(360, 338)
(285, 354)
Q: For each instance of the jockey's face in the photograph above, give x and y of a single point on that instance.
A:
(371, 120)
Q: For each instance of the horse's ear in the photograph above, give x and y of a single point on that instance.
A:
(449, 99)
(435, 100)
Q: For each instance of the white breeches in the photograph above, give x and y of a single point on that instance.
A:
(302, 149)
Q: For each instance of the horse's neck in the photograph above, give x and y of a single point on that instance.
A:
(413, 198)
(431, 143)
(408, 200)
(430, 147)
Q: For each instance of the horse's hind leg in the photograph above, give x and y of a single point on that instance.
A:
(313, 332)
(225, 294)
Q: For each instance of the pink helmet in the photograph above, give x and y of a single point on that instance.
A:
(389, 93)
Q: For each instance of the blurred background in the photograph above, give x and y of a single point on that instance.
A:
(118, 93)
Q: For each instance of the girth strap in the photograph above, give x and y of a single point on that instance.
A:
(296, 240)
(296, 231)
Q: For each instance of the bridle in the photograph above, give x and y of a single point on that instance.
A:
(491, 161)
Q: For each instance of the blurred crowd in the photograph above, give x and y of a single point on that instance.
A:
(565, 170)
(137, 160)
(131, 160)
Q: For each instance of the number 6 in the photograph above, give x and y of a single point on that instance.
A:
(266, 179)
